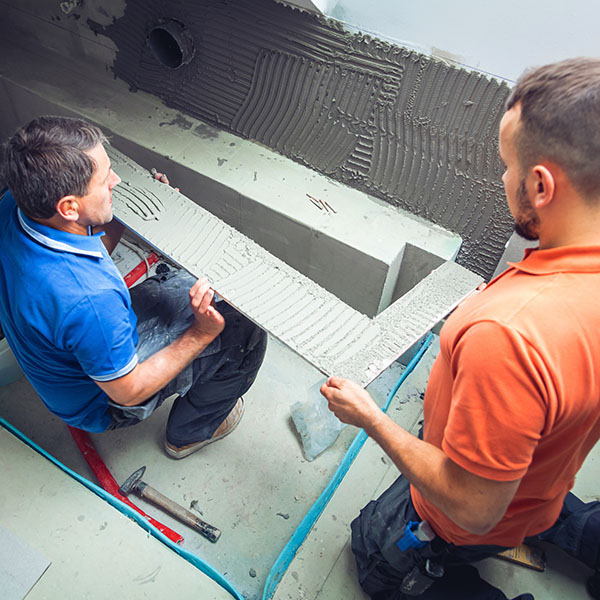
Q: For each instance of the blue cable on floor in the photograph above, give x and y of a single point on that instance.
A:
(198, 562)
(285, 558)
(287, 554)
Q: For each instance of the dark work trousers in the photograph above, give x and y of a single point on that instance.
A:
(383, 567)
(210, 386)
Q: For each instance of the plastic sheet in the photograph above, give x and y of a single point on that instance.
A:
(317, 425)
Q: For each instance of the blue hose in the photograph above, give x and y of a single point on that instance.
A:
(298, 537)
(199, 563)
(287, 554)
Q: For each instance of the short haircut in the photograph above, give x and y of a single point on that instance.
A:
(46, 160)
(560, 120)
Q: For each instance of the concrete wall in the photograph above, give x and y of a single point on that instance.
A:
(56, 65)
(409, 129)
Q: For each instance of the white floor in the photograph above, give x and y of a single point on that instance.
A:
(256, 486)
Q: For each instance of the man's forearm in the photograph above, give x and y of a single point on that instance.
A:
(421, 463)
(157, 370)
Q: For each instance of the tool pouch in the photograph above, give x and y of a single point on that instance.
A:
(382, 565)
(416, 582)
(419, 578)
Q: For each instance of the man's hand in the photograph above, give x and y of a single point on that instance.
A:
(162, 177)
(208, 322)
(350, 403)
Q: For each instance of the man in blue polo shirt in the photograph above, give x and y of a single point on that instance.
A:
(68, 315)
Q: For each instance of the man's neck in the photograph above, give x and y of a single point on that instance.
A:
(57, 222)
(577, 225)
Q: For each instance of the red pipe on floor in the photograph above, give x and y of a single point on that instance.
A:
(89, 452)
(108, 482)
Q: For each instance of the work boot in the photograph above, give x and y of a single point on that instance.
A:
(225, 428)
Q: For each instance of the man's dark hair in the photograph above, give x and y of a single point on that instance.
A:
(46, 160)
(560, 120)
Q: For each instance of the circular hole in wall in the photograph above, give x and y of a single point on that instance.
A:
(171, 43)
(165, 48)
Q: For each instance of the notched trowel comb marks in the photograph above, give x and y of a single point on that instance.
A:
(142, 202)
(307, 318)
(139, 200)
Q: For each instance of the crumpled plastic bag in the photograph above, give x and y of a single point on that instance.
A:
(317, 425)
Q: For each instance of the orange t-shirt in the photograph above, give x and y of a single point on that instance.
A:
(515, 390)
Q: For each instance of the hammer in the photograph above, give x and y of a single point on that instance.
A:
(135, 484)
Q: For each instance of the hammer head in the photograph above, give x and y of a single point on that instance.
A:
(131, 482)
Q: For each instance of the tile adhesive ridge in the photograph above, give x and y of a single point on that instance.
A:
(329, 334)
(400, 125)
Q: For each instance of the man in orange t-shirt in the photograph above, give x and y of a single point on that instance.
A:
(512, 407)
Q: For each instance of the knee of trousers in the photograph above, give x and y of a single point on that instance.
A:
(375, 574)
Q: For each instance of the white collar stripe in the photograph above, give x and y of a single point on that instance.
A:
(54, 244)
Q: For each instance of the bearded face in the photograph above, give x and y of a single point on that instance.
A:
(527, 223)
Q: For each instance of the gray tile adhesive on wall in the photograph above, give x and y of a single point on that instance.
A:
(329, 334)
(400, 125)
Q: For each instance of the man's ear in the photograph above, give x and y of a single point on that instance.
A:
(544, 186)
(68, 208)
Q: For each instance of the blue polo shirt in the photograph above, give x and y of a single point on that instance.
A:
(66, 313)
